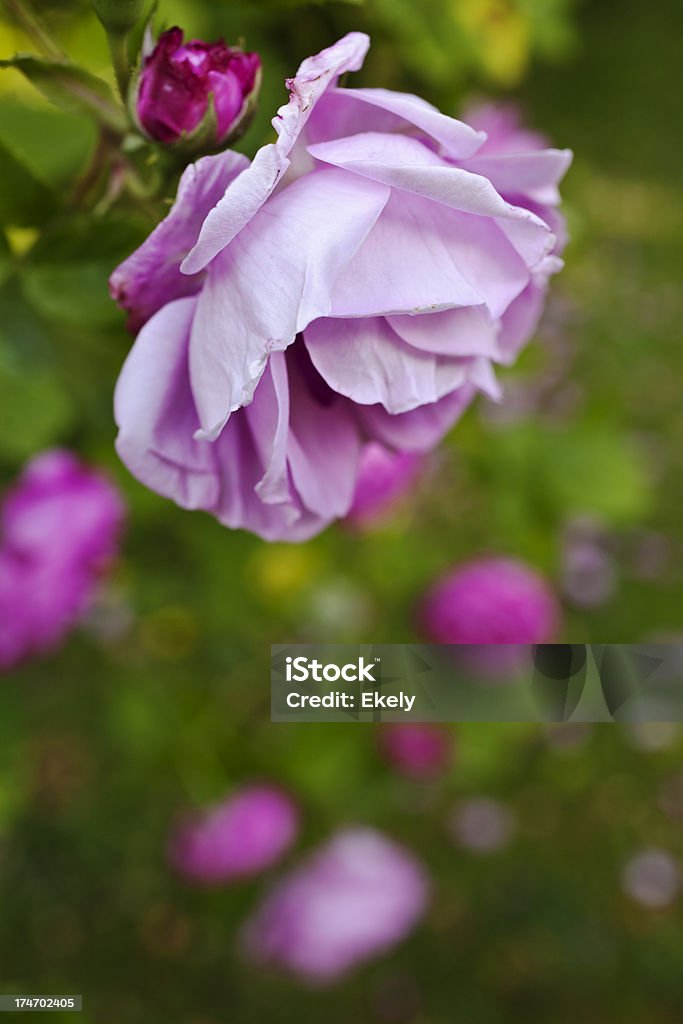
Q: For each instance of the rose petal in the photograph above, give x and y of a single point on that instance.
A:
(151, 277)
(242, 202)
(271, 282)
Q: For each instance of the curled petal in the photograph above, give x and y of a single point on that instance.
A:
(469, 331)
(366, 361)
(240, 204)
(271, 282)
(422, 258)
(344, 112)
(156, 415)
(417, 430)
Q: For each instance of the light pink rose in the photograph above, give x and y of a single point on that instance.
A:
(356, 281)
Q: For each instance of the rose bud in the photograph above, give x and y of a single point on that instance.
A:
(206, 91)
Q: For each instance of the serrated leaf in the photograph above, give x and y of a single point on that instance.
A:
(71, 88)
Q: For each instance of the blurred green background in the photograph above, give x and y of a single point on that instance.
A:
(162, 699)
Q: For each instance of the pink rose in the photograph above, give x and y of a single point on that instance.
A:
(355, 282)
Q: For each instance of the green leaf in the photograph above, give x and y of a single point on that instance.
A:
(72, 294)
(52, 144)
(70, 87)
(66, 276)
(24, 201)
(34, 412)
(35, 408)
(5, 259)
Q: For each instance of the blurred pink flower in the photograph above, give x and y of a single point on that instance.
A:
(491, 601)
(247, 833)
(178, 78)
(481, 825)
(416, 749)
(59, 528)
(384, 477)
(356, 281)
(652, 878)
(352, 900)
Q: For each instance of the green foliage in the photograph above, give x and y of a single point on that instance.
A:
(70, 87)
(119, 16)
(24, 201)
(65, 276)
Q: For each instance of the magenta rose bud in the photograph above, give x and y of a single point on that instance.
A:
(352, 900)
(420, 751)
(384, 477)
(179, 80)
(240, 837)
(491, 601)
(59, 530)
(357, 281)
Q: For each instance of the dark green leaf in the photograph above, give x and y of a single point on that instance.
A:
(34, 408)
(24, 201)
(66, 276)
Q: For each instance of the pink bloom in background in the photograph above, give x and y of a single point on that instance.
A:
(242, 836)
(491, 601)
(481, 825)
(384, 477)
(355, 282)
(178, 78)
(421, 751)
(505, 131)
(59, 529)
(353, 899)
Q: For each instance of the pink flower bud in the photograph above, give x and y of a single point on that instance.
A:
(491, 601)
(178, 79)
(235, 839)
(417, 749)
